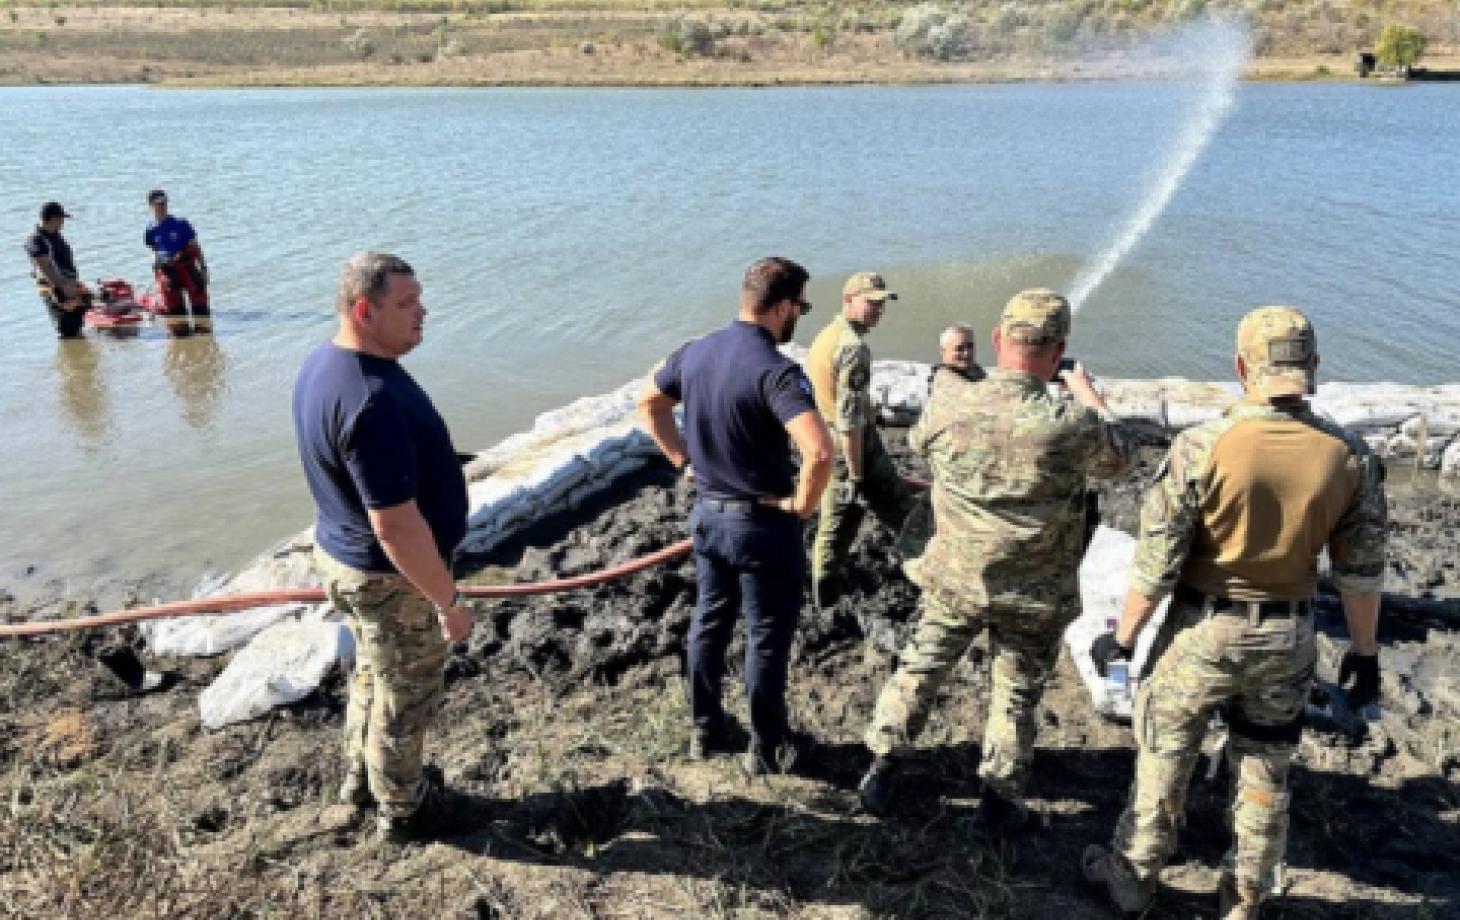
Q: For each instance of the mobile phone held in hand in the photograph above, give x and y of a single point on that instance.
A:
(1065, 366)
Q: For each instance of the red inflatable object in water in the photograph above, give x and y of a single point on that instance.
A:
(119, 307)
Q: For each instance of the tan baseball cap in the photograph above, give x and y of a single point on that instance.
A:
(867, 284)
(1280, 349)
(1036, 317)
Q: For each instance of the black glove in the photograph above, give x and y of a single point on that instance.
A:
(1105, 649)
(1364, 669)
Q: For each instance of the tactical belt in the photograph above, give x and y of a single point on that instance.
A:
(733, 505)
(1255, 611)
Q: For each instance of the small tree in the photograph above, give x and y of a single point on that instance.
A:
(689, 37)
(361, 43)
(1400, 46)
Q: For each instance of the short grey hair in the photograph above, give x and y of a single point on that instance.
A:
(956, 328)
(366, 275)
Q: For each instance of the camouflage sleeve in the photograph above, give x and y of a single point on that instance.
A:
(1168, 517)
(1356, 546)
(1111, 447)
(920, 436)
(853, 366)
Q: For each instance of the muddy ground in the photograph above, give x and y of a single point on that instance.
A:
(566, 722)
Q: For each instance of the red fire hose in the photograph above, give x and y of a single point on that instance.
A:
(236, 602)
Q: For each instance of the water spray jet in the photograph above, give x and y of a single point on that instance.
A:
(1216, 51)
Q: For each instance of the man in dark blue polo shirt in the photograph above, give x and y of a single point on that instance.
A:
(391, 507)
(744, 403)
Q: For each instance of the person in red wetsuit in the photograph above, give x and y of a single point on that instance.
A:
(178, 262)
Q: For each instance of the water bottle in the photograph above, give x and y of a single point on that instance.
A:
(1117, 681)
(1117, 675)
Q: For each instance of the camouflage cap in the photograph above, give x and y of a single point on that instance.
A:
(867, 284)
(1280, 349)
(1036, 317)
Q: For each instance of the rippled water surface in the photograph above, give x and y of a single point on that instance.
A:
(567, 238)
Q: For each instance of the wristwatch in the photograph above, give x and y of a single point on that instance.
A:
(457, 600)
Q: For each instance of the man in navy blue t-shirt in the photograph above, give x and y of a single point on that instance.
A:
(391, 508)
(177, 260)
(744, 403)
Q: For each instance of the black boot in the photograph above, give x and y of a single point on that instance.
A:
(877, 790)
(443, 812)
(792, 753)
(722, 737)
(998, 816)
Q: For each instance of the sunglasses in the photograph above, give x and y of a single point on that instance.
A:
(804, 305)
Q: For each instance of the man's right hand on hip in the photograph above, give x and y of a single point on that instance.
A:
(456, 623)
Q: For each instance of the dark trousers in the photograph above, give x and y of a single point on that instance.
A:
(751, 560)
(68, 323)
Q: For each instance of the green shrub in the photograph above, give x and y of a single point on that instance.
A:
(927, 31)
(1008, 19)
(361, 43)
(1062, 25)
(688, 37)
(822, 36)
(1192, 9)
(1400, 46)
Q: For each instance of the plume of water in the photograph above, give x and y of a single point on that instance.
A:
(1214, 53)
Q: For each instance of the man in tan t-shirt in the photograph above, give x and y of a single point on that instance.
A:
(839, 364)
(1232, 529)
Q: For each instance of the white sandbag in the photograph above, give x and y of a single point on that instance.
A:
(1436, 421)
(283, 664)
(288, 564)
(1180, 415)
(204, 636)
(1104, 580)
(1450, 462)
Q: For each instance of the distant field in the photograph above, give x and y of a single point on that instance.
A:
(659, 42)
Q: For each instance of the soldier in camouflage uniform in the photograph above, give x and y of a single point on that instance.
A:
(1232, 529)
(1010, 463)
(956, 367)
(839, 364)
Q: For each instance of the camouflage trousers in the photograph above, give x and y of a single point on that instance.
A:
(841, 510)
(398, 683)
(1024, 643)
(1262, 671)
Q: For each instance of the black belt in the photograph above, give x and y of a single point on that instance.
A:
(733, 505)
(1255, 610)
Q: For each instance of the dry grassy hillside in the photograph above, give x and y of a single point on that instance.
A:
(388, 42)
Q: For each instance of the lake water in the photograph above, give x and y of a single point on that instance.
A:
(568, 238)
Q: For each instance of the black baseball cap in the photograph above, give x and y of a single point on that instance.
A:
(155, 194)
(52, 209)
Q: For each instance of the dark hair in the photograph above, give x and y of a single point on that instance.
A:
(770, 281)
(155, 194)
(366, 275)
